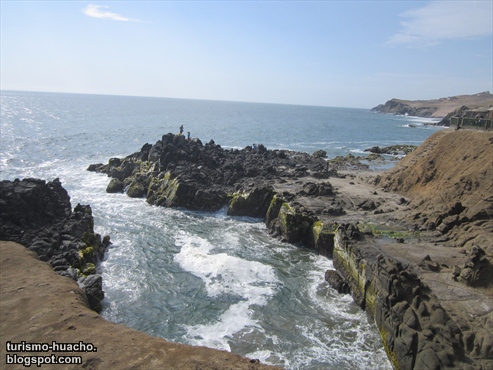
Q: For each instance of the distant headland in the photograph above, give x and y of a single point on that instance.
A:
(438, 108)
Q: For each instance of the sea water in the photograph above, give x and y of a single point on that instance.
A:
(204, 278)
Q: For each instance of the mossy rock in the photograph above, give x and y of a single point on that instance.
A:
(253, 204)
(88, 269)
(273, 210)
(115, 186)
(323, 237)
(237, 203)
(87, 254)
(383, 231)
(294, 225)
(136, 190)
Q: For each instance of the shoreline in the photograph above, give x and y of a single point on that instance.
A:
(403, 260)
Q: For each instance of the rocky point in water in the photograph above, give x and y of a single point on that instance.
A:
(175, 172)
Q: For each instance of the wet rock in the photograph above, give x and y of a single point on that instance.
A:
(115, 186)
(336, 281)
(93, 286)
(254, 203)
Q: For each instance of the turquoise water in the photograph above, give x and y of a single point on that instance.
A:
(201, 278)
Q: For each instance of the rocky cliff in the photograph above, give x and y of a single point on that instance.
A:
(466, 112)
(449, 179)
(412, 246)
(436, 107)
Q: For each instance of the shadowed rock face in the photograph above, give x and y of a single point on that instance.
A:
(416, 331)
(38, 215)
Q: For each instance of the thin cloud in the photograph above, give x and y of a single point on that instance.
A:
(97, 12)
(444, 20)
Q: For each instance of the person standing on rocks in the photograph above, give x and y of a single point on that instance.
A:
(181, 130)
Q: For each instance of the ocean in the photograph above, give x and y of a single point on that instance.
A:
(204, 278)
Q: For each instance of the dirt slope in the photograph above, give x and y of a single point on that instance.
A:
(450, 181)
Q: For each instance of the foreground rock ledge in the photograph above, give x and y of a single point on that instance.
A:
(39, 306)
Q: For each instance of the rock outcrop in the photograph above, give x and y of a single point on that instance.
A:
(175, 172)
(38, 215)
(449, 178)
(401, 150)
(467, 112)
(416, 331)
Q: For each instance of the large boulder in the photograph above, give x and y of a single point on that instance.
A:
(30, 205)
(254, 203)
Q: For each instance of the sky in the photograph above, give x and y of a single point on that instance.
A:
(329, 53)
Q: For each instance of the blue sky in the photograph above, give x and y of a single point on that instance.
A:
(329, 53)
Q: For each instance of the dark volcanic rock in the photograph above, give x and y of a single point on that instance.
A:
(177, 173)
(336, 281)
(254, 203)
(416, 331)
(30, 205)
(38, 215)
(402, 149)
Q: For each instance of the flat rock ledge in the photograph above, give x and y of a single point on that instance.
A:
(39, 306)
(420, 266)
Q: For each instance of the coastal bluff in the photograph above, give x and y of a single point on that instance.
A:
(436, 108)
(39, 215)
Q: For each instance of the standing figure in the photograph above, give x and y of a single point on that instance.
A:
(188, 136)
(181, 129)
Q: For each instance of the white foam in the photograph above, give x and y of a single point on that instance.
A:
(251, 281)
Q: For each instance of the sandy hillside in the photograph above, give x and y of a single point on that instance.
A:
(450, 180)
(436, 107)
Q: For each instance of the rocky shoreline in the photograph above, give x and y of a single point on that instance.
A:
(413, 245)
(343, 215)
